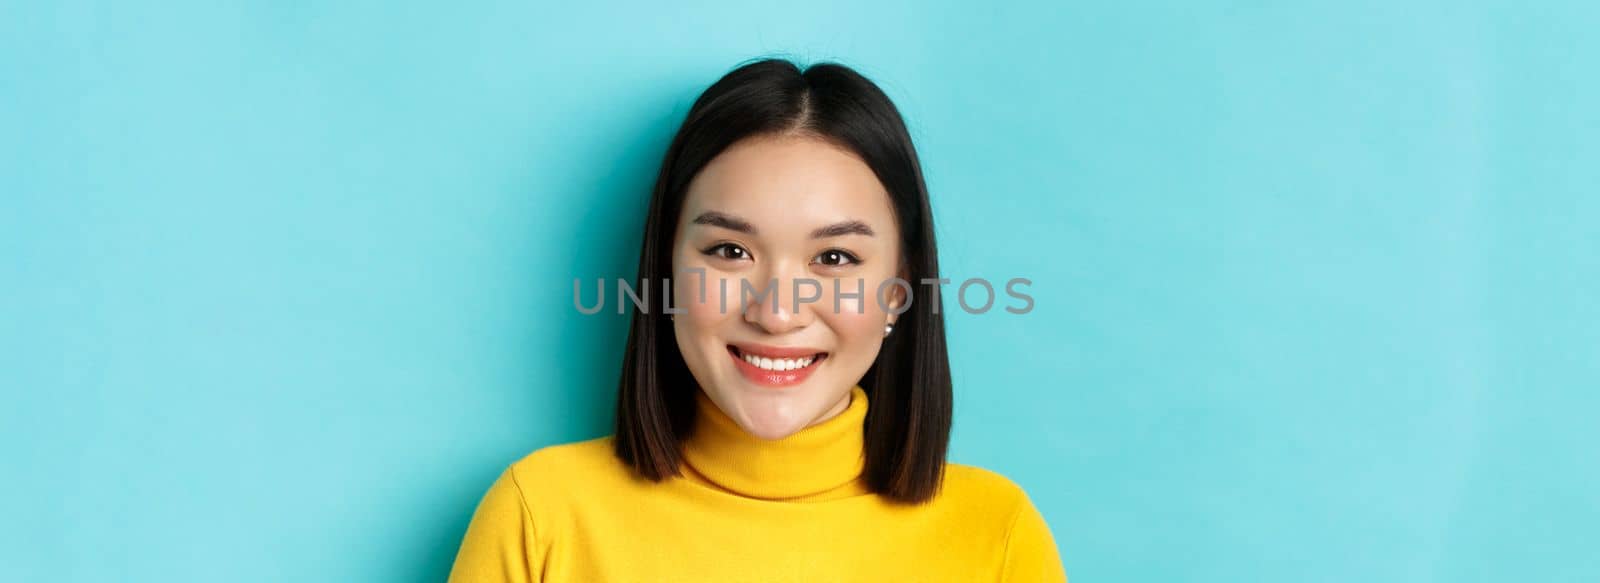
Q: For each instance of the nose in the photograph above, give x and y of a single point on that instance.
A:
(771, 303)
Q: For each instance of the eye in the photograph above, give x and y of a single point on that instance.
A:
(837, 258)
(727, 251)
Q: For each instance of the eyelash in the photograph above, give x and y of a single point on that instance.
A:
(844, 256)
(716, 251)
(713, 251)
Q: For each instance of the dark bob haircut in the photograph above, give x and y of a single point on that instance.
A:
(907, 429)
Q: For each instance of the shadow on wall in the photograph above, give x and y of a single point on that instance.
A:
(608, 200)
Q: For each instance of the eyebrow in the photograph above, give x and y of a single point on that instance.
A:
(725, 221)
(851, 227)
(733, 223)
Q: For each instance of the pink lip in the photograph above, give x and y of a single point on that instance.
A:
(774, 378)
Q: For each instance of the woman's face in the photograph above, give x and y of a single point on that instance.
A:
(767, 212)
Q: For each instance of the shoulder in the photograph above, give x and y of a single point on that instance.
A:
(984, 492)
(551, 482)
(974, 481)
(566, 462)
(1013, 522)
(567, 456)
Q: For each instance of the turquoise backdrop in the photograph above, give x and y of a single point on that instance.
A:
(284, 284)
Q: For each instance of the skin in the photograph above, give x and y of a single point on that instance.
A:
(783, 188)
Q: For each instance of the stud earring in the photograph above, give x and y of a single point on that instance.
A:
(887, 328)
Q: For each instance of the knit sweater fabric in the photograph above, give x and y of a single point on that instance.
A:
(748, 509)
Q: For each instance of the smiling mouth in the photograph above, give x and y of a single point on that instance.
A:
(778, 364)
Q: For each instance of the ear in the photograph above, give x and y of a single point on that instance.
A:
(897, 294)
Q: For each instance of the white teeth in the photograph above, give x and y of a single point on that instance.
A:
(779, 364)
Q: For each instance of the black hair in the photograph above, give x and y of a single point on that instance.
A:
(907, 429)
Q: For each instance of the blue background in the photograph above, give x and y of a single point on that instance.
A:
(283, 285)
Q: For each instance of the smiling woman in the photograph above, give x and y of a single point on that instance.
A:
(777, 208)
(745, 447)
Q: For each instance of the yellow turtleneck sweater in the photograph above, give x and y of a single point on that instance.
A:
(748, 509)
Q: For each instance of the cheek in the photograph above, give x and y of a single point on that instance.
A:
(855, 299)
(698, 326)
(864, 302)
(699, 296)
(857, 333)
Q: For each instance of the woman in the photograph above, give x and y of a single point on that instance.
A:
(785, 416)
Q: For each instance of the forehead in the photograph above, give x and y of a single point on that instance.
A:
(788, 180)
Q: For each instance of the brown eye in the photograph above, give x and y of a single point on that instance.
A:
(836, 258)
(727, 251)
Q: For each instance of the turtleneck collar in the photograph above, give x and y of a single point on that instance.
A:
(821, 461)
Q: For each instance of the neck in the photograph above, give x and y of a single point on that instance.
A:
(823, 460)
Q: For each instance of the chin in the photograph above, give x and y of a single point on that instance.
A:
(770, 414)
